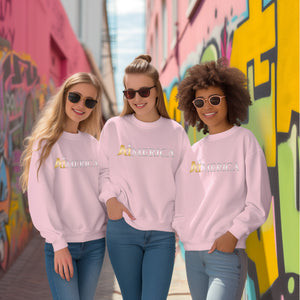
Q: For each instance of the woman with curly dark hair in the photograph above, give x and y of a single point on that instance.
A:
(228, 192)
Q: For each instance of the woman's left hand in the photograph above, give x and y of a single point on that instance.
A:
(225, 243)
(63, 264)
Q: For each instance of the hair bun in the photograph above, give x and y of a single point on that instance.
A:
(145, 57)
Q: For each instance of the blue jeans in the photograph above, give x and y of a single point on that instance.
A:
(142, 260)
(216, 276)
(87, 260)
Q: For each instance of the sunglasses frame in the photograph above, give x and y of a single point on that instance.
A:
(93, 101)
(139, 92)
(208, 99)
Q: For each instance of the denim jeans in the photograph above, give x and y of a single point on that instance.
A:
(216, 276)
(87, 260)
(142, 260)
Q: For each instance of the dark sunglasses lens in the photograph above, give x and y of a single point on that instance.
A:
(73, 97)
(129, 94)
(90, 103)
(144, 92)
(199, 103)
(215, 100)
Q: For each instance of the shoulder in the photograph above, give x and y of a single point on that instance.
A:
(198, 144)
(172, 124)
(114, 122)
(87, 137)
(246, 134)
(249, 141)
(244, 131)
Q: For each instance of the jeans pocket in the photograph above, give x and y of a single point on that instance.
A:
(117, 220)
(226, 253)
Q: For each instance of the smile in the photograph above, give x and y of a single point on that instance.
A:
(78, 112)
(140, 105)
(209, 114)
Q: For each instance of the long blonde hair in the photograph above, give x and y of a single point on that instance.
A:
(52, 119)
(142, 65)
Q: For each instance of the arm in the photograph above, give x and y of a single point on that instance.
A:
(44, 214)
(108, 191)
(258, 199)
(42, 204)
(257, 203)
(184, 181)
(63, 263)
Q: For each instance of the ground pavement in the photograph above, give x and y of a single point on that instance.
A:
(26, 279)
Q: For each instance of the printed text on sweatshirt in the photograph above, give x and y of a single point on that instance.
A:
(140, 163)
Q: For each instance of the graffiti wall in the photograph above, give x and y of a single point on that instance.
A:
(38, 49)
(21, 95)
(260, 37)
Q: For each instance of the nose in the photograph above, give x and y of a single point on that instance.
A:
(137, 97)
(81, 102)
(206, 102)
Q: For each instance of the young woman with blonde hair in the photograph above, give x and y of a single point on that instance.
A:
(141, 151)
(60, 172)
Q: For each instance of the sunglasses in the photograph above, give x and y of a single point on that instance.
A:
(213, 100)
(75, 98)
(143, 92)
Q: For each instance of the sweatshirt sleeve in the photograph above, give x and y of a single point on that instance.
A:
(42, 204)
(184, 192)
(258, 197)
(107, 189)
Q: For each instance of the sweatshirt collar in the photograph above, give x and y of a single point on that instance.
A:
(221, 135)
(145, 125)
(71, 136)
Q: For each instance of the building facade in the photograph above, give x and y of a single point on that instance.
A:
(38, 50)
(89, 21)
(261, 38)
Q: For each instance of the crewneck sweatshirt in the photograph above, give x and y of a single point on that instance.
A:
(63, 197)
(138, 167)
(225, 188)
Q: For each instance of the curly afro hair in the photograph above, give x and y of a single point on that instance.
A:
(230, 80)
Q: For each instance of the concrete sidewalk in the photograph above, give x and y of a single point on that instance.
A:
(26, 279)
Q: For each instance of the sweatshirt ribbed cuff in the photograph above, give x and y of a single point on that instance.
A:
(105, 196)
(59, 244)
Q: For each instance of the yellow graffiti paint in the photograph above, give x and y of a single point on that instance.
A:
(266, 264)
(287, 62)
(172, 104)
(255, 37)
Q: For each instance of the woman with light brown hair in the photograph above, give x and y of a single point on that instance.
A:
(60, 172)
(141, 150)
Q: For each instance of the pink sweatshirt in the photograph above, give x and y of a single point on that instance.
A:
(225, 188)
(63, 198)
(140, 160)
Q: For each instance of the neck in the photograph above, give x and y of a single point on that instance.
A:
(148, 118)
(71, 127)
(213, 130)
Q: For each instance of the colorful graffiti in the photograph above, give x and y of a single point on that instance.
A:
(263, 42)
(21, 96)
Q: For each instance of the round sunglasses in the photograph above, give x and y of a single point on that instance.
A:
(76, 97)
(213, 100)
(143, 92)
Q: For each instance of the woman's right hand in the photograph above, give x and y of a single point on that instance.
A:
(63, 263)
(115, 209)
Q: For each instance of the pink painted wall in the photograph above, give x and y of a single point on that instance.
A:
(43, 51)
(36, 28)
